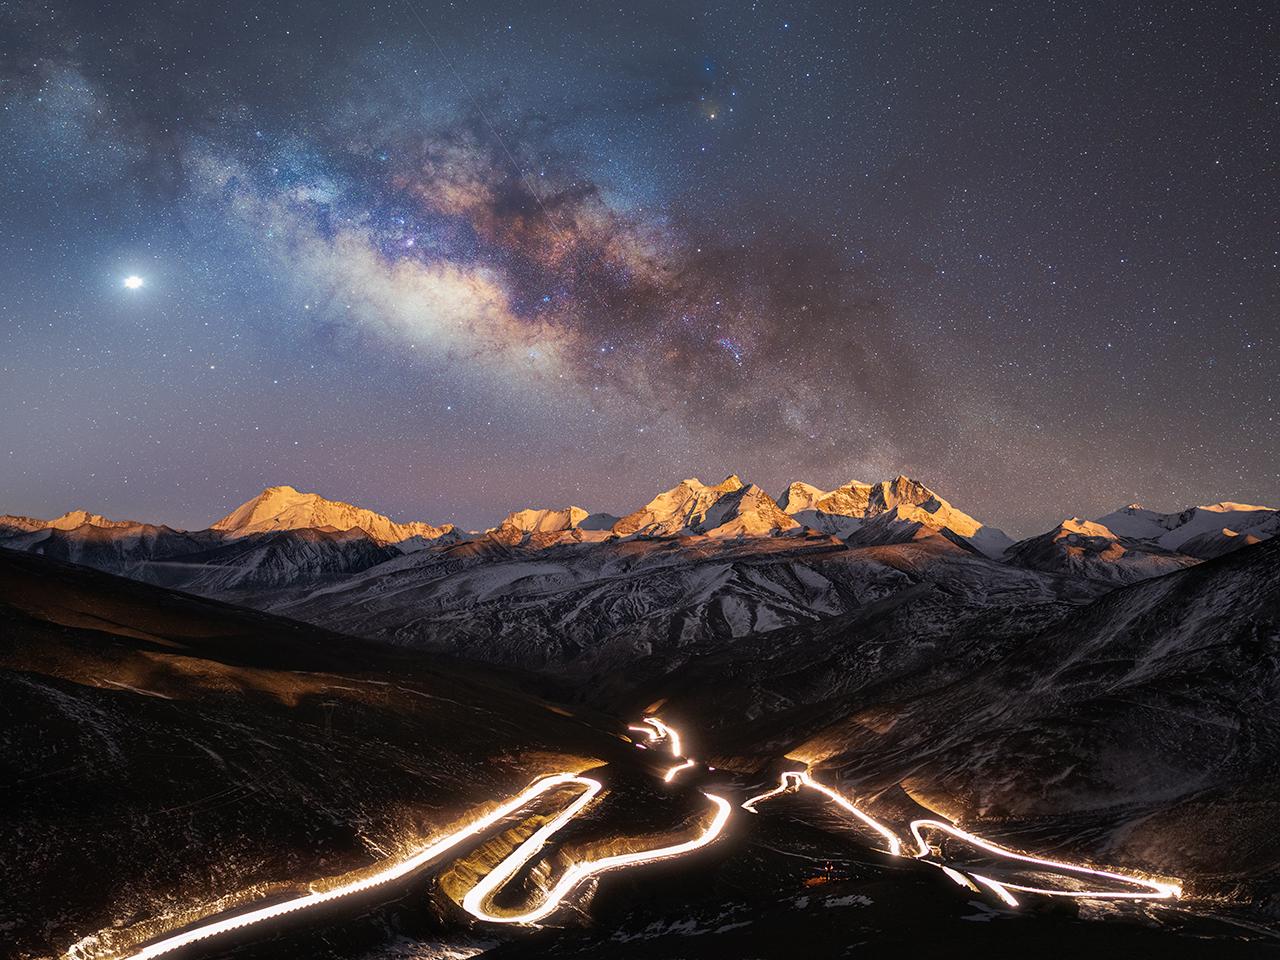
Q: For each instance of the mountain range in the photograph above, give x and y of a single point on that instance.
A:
(1103, 692)
(580, 594)
(1126, 545)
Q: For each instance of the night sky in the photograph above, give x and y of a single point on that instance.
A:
(449, 260)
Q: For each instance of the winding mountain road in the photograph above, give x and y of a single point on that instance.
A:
(791, 781)
(479, 900)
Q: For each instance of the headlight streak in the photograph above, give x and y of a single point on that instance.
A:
(794, 780)
(656, 730)
(478, 897)
(316, 898)
(475, 900)
(997, 888)
(671, 774)
(673, 738)
(1155, 889)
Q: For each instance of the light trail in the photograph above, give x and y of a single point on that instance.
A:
(314, 899)
(671, 774)
(959, 878)
(669, 733)
(1154, 889)
(794, 780)
(787, 782)
(656, 730)
(997, 888)
(478, 896)
(477, 899)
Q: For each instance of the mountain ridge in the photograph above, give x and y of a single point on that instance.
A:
(1131, 543)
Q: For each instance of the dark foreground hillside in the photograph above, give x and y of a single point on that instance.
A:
(175, 757)
(162, 752)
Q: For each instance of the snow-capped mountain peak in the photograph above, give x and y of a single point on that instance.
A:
(545, 521)
(1087, 548)
(78, 518)
(800, 496)
(729, 508)
(71, 520)
(286, 508)
(544, 527)
(845, 510)
(747, 511)
(1084, 528)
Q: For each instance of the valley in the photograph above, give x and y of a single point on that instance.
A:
(295, 740)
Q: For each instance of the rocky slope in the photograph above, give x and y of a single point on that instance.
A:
(1139, 727)
(585, 612)
(1094, 694)
(168, 754)
(291, 754)
(1087, 549)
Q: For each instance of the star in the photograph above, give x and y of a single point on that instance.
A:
(133, 281)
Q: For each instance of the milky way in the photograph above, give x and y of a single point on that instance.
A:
(447, 261)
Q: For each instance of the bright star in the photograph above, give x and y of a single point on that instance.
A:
(133, 281)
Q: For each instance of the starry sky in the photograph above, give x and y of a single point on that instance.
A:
(445, 260)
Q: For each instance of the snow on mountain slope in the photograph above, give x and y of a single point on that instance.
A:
(728, 509)
(571, 581)
(1172, 530)
(1088, 549)
(121, 546)
(584, 610)
(549, 521)
(746, 512)
(1215, 543)
(1135, 543)
(838, 512)
(284, 508)
(13, 525)
(210, 562)
(127, 549)
(678, 510)
(1151, 709)
(271, 561)
(801, 496)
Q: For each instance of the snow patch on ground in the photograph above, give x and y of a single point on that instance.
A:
(688, 927)
(853, 900)
(406, 949)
